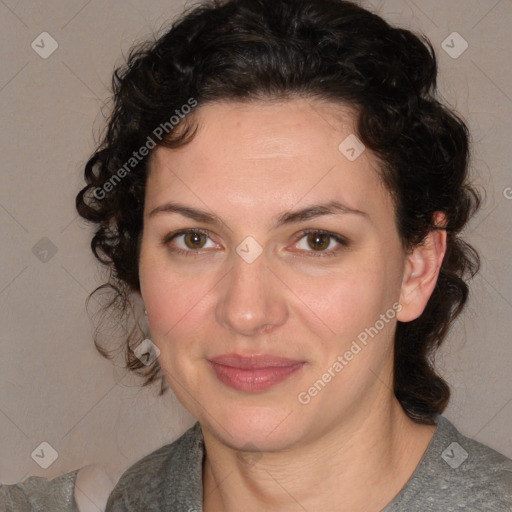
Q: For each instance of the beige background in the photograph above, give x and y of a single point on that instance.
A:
(55, 387)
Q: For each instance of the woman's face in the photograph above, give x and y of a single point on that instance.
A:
(251, 282)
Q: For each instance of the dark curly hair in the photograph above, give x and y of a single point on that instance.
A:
(333, 50)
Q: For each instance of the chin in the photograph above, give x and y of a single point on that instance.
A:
(254, 428)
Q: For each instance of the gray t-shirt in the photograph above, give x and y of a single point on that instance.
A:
(455, 473)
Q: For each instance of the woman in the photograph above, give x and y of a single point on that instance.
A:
(284, 192)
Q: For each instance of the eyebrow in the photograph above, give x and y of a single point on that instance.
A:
(291, 217)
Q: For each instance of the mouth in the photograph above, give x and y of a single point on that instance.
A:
(255, 372)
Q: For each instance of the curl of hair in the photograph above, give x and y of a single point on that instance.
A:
(334, 50)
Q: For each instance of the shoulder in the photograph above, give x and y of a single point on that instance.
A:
(145, 485)
(38, 493)
(479, 466)
(458, 473)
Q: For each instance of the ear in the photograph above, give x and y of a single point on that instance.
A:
(421, 270)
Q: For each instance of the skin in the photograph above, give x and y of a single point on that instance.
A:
(93, 486)
(352, 447)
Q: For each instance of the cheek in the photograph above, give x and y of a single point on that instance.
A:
(177, 320)
(174, 302)
(346, 301)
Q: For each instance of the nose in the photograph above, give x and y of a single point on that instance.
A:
(252, 300)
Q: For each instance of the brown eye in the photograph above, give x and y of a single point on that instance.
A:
(188, 242)
(193, 240)
(319, 241)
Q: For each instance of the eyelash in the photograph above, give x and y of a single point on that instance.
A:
(194, 253)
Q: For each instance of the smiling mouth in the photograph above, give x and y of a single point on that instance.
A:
(253, 373)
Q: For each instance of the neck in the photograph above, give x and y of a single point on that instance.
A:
(358, 465)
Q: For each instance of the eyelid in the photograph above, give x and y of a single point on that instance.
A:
(340, 239)
(186, 231)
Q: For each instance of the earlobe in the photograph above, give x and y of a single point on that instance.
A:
(421, 270)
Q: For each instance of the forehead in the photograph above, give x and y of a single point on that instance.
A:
(268, 154)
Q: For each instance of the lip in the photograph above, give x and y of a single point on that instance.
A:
(254, 372)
